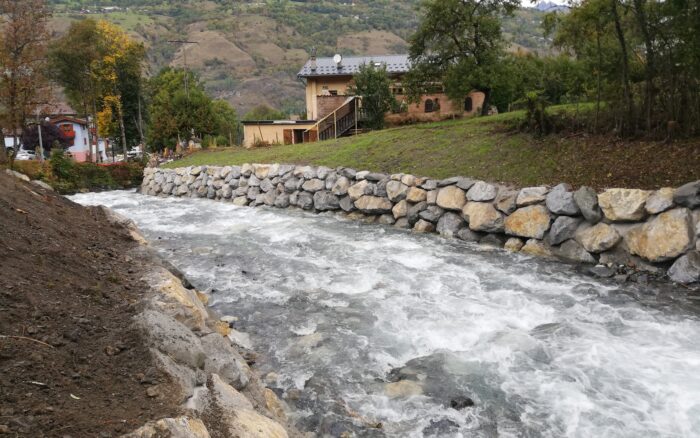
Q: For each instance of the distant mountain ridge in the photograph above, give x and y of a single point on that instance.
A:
(551, 7)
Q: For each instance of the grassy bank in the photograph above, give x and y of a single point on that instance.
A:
(490, 149)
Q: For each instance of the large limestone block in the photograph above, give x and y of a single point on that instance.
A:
(360, 189)
(531, 195)
(176, 300)
(620, 205)
(396, 191)
(416, 195)
(532, 221)
(400, 209)
(171, 338)
(664, 237)
(451, 198)
(373, 205)
(597, 238)
(482, 216)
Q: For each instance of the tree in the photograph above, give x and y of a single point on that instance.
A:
(373, 85)
(51, 136)
(22, 60)
(225, 120)
(458, 45)
(108, 82)
(264, 112)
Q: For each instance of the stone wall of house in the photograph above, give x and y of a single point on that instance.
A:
(656, 231)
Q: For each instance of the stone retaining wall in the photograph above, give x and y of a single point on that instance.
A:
(656, 231)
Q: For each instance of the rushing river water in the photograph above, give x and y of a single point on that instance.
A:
(338, 309)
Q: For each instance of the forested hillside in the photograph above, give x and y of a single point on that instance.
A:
(249, 52)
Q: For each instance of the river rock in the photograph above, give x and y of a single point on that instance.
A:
(423, 226)
(253, 193)
(282, 200)
(403, 388)
(416, 195)
(253, 181)
(688, 195)
(469, 235)
(341, 186)
(513, 244)
(373, 205)
(325, 200)
(597, 238)
(360, 189)
(226, 192)
(686, 269)
(396, 191)
(660, 201)
(400, 209)
(531, 195)
(531, 221)
(623, 205)
(409, 180)
(347, 204)
(449, 224)
(240, 201)
(431, 214)
(482, 216)
(482, 191)
(431, 197)
(505, 202)
(429, 184)
(305, 200)
(451, 198)
(563, 228)
(587, 201)
(537, 248)
(493, 240)
(573, 251)
(387, 219)
(222, 359)
(560, 200)
(414, 211)
(402, 222)
(266, 185)
(664, 237)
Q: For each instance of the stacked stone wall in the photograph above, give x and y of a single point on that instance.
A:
(652, 230)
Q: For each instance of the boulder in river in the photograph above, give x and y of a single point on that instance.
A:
(664, 237)
(373, 205)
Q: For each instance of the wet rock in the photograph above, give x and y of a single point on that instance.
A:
(563, 228)
(494, 240)
(253, 193)
(373, 205)
(240, 201)
(482, 216)
(451, 198)
(396, 191)
(571, 250)
(686, 269)
(660, 201)
(403, 389)
(423, 226)
(688, 195)
(449, 224)
(597, 238)
(505, 202)
(402, 223)
(360, 189)
(282, 200)
(531, 195)
(387, 219)
(482, 191)
(461, 402)
(415, 195)
(601, 271)
(664, 237)
(531, 221)
(431, 214)
(560, 200)
(513, 244)
(400, 209)
(536, 248)
(305, 200)
(623, 205)
(440, 428)
(347, 204)
(468, 235)
(587, 201)
(324, 201)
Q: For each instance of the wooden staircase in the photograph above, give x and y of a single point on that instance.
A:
(341, 122)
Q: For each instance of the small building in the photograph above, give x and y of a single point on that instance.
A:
(333, 112)
(76, 131)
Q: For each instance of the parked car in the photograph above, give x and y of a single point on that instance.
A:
(24, 155)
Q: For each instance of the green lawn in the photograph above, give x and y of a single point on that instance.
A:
(487, 148)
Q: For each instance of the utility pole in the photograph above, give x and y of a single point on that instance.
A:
(184, 44)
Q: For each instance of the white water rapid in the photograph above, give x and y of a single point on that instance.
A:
(339, 309)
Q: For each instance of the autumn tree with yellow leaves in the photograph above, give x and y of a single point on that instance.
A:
(100, 68)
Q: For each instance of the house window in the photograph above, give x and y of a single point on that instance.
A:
(333, 92)
(429, 106)
(468, 104)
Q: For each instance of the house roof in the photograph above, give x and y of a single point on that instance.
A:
(395, 64)
(68, 119)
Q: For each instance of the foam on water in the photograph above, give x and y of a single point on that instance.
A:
(333, 306)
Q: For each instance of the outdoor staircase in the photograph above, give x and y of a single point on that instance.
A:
(341, 122)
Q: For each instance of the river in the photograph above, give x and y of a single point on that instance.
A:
(337, 310)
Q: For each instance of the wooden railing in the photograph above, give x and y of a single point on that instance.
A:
(337, 123)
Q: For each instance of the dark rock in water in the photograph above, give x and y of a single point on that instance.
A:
(441, 427)
(601, 271)
(461, 402)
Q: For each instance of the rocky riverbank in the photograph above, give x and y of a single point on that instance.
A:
(618, 231)
(100, 337)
